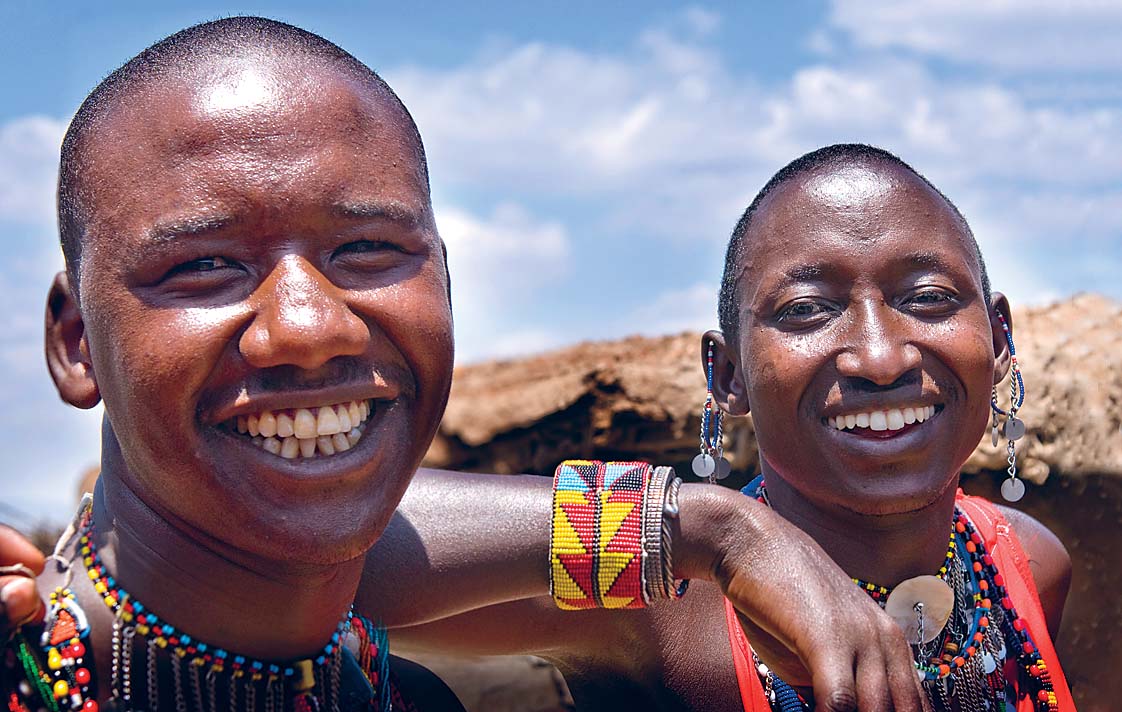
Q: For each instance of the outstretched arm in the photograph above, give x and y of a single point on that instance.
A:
(461, 542)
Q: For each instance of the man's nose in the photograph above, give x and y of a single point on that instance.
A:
(879, 349)
(301, 319)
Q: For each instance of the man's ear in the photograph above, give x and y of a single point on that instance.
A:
(68, 353)
(1002, 358)
(728, 380)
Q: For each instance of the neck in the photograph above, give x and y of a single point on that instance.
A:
(270, 610)
(883, 550)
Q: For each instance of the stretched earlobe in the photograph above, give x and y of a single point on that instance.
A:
(1002, 358)
(68, 354)
(729, 390)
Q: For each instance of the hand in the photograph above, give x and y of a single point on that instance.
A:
(20, 562)
(803, 615)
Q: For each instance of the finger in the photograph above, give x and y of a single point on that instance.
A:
(903, 680)
(20, 602)
(873, 693)
(834, 687)
(16, 549)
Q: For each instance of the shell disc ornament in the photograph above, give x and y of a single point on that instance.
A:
(921, 607)
(704, 465)
(1013, 489)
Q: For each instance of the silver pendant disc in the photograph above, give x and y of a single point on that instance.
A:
(1014, 429)
(937, 599)
(703, 465)
(1012, 489)
(723, 468)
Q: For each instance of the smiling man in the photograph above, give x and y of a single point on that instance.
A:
(256, 290)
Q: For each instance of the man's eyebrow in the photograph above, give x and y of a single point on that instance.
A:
(929, 260)
(377, 210)
(189, 227)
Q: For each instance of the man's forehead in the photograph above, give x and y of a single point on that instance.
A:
(856, 209)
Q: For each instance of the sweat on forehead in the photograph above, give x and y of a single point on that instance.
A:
(192, 57)
(821, 166)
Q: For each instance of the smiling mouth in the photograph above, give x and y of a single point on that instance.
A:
(304, 433)
(883, 423)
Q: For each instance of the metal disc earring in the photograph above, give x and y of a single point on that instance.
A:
(710, 463)
(1013, 488)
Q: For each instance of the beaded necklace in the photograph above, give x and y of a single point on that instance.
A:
(967, 661)
(203, 676)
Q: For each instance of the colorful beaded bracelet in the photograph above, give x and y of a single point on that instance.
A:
(596, 541)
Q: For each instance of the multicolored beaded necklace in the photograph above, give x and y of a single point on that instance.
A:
(203, 677)
(968, 660)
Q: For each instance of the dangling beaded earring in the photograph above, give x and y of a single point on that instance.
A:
(1012, 489)
(710, 462)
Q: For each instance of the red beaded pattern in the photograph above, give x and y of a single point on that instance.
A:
(596, 542)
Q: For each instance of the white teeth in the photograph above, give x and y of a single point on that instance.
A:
(328, 422)
(877, 421)
(309, 432)
(307, 447)
(895, 419)
(304, 424)
(285, 427)
(344, 419)
(880, 420)
(267, 424)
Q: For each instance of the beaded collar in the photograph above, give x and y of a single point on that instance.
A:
(203, 677)
(968, 660)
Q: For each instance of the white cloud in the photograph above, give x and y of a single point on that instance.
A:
(692, 308)
(29, 168)
(499, 263)
(1013, 34)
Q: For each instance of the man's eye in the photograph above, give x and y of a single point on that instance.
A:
(930, 297)
(801, 310)
(203, 264)
(363, 247)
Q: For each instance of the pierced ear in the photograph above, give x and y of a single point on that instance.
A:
(68, 354)
(729, 389)
(1002, 358)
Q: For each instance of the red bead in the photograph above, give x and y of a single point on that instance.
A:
(987, 560)
(1028, 648)
(89, 706)
(1007, 603)
(959, 661)
(976, 538)
(77, 650)
(983, 622)
(1018, 624)
(999, 579)
(1042, 695)
(82, 675)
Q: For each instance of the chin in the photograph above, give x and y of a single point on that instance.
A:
(893, 497)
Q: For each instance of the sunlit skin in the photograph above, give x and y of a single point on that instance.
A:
(860, 291)
(256, 240)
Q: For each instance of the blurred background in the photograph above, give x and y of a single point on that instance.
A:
(588, 163)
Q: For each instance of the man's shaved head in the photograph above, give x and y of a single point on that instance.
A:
(829, 158)
(186, 58)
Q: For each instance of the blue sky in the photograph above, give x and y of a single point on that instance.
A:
(589, 159)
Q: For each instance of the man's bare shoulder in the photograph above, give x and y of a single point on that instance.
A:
(1049, 561)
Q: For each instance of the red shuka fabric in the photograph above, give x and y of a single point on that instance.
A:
(1013, 564)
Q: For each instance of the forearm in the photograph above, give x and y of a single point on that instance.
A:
(459, 542)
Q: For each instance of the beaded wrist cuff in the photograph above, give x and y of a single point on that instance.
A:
(596, 541)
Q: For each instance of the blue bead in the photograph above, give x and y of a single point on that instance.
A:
(220, 654)
(111, 582)
(274, 669)
(320, 660)
(288, 672)
(239, 659)
(202, 647)
(187, 640)
(335, 638)
(168, 630)
(137, 607)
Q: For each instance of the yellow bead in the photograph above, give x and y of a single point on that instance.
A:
(61, 689)
(54, 659)
(93, 574)
(111, 601)
(126, 617)
(142, 629)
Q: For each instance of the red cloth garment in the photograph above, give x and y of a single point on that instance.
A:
(1013, 564)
